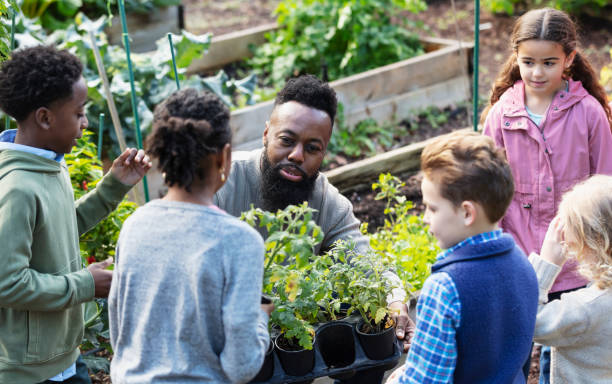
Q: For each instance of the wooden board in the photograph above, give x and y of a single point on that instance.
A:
(231, 47)
(393, 108)
(439, 77)
(145, 29)
(361, 173)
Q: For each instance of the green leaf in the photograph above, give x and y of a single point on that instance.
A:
(96, 363)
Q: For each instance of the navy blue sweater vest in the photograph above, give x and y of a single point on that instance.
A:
(498, 291)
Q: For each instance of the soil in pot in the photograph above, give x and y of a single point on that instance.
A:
(337, 346)
(377, 346)
(267, 369)
(294, 360)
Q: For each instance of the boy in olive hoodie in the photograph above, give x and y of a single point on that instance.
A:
(42, 282)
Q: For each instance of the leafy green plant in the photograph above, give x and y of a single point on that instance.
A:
(403, 241)
(59, 14)
(337, 38)
(292, 237)
(369, 290)
(6, 8)
(153, 73)
(85, 172)
(574, 7)
(365, 138)
(97, 244)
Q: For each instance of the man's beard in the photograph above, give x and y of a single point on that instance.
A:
(278, 192)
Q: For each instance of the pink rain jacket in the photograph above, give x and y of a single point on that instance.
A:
(572, 143)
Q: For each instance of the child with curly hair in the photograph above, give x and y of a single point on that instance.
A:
(185, 301)
(577, 326)
(42, 282)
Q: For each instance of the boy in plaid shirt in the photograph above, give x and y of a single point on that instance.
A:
(476, 313)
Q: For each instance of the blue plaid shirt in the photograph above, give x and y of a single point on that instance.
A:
(433, 352)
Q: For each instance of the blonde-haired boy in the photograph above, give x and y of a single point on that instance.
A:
(476, 312)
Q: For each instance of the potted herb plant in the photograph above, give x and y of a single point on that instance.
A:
(292, 237)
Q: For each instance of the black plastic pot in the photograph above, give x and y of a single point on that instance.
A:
(336, 343)
(295, 363)
(267, 369)
(377, 346)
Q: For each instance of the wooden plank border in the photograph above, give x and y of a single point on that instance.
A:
(360, 173)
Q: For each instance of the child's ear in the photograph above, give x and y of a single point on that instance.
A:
(43, 117)
(224, 160)
(265, 133)
(469, 212)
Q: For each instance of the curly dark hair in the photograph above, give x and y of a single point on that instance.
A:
(188, 126)
(35, 77)
(310, 91)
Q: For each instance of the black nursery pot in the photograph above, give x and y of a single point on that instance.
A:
(337, 346)
(295, 363)
(377, 346)
(267, 369)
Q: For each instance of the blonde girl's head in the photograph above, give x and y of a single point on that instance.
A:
(552, 25)
(586, 211)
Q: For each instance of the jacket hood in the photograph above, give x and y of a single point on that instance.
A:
(513, 99)
(11, 160)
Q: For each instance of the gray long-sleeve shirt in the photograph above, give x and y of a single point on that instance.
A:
(184, 303)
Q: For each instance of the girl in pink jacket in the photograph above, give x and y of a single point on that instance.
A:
(551, 115)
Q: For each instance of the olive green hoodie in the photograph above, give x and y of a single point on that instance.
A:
(42, 282)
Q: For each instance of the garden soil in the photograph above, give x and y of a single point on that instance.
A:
(442, 20)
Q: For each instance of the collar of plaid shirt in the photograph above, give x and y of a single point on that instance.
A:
(476, 239)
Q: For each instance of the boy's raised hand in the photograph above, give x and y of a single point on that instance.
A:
(131, 166)
(102, 277)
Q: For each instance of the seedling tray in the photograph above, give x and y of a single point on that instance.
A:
(361, 362)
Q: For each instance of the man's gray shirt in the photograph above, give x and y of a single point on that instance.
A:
(334, 212)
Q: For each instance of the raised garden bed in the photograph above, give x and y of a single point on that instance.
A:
(146, 29)
(439, 78)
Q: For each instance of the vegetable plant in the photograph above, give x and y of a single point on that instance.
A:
(60, 14)
(154, 75)
(336, 38)
(6, 7)
(289, 251)
(366, 138)
(403, 241)
(97, 244)
(85, 172)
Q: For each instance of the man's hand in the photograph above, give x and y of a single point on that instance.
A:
(102, 277)
(404, 328)
(131, 166)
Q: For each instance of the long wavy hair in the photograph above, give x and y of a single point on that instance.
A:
(586, 212)
(550, 25)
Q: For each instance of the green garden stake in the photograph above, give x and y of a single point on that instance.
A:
(126, 43)
(178, 85)
(100, 132)
(7, 120)
(476, 44)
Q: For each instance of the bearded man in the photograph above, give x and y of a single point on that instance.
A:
(286, 171)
